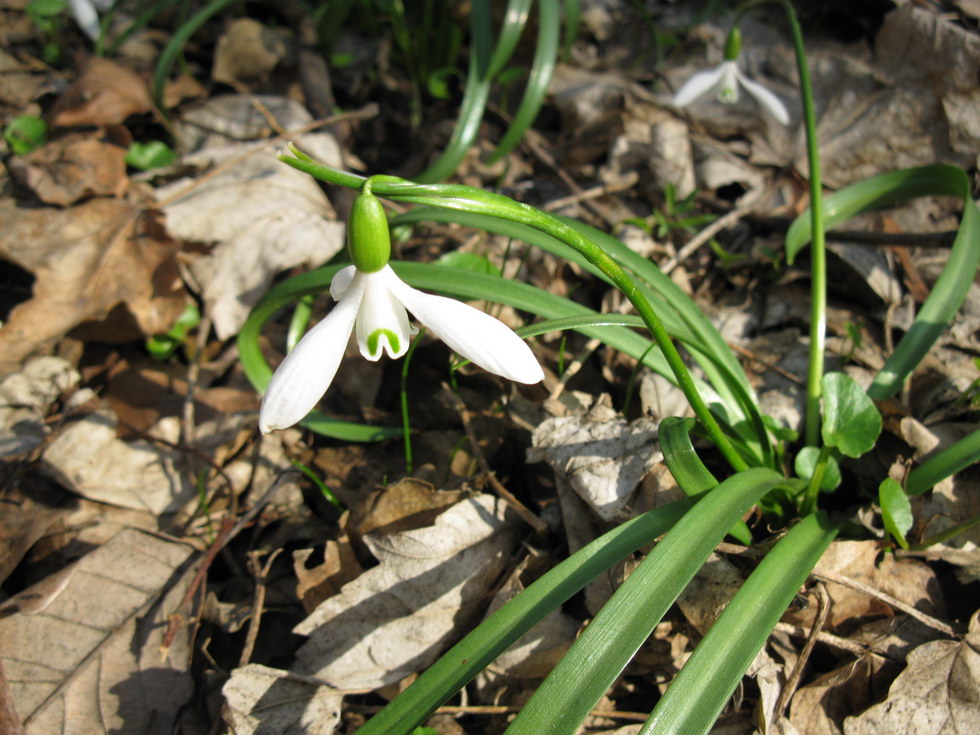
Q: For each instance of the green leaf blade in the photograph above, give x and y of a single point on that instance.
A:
(851, 421)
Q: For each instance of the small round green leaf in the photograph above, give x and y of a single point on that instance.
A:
(896, 511)
(805, 463)
(851, 422)
(25, 133)
(150, 155)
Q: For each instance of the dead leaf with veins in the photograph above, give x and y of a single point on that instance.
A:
(87, 260)
(72, 168)
(397, 617)
(262, 216)
(105, 93)
(263, 701)
(77, 660)
(938, 692)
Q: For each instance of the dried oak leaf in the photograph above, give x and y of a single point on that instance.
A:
(105, 93)
(86, 260)
(72, 168)
(939, 692)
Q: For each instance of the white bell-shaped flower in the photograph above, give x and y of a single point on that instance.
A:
(373, 305)
(86, 14)
(724, 80)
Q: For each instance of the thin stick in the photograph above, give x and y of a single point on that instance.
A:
(824, 604)
(922, 617)
(522, 510)
(258, 601)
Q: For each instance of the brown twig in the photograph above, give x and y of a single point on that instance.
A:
(495, 709)
(522, 510)
(922, 617)
(258, 601)
(824, 604)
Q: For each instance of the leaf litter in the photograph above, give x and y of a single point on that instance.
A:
(136, 494)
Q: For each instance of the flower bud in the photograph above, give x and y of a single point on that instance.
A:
(368, 239)
(733, 44)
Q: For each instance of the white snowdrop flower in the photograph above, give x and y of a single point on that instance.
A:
(725, 81)
(86, 14)
(373, 302)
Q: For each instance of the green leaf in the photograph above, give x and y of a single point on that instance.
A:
(153, 154)
(806, 462)
(950, 289)
(949, 461)
(469, 262)
(705, 683)
(46, 8)
(162, 346)
(851, 422)
(896, 511)
(25, 134)
(599, 655)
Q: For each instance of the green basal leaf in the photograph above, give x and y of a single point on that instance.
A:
(706, 682)
(25, 134)
(851, 422)
(896, 511)
(806, 462)
(469, 262)
(150, 155)
(162, 346)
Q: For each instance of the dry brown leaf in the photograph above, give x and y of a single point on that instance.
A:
(246, 51)
(712, 588)
(87, 260)
(25, 399)
(405, 505)
(601, 456)
(939, 692)
(72, 168)
(264, 701)
(29, 510)
(265, 217)
(821, 706)
(105, 93)
(91, 654)
(339, 567)
(87, 458)
(396, 618)
(907, 580)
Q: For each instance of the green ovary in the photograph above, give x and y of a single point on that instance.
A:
(372, 341)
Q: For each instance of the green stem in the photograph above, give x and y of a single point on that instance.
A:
(813, 489)
(818, 254)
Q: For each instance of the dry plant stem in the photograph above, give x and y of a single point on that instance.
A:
(626, 182)
(535, 144)
(522, 510)
(824, 604)
(722, 223)
(364, 113)
(752, 357)
(828, 639)
(922, 617)
(10, 723)
(193, 373)
(494, 709)
(258, 601)
(225, 535)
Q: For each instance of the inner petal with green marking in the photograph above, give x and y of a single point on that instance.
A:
(373, 341)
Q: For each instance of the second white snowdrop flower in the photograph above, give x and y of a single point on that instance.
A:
(86, 13)
(373, 302)
(725, 79)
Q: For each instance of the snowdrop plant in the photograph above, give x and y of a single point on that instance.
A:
(725, 79)
(372, 302)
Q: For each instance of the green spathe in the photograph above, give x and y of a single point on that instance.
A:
(368, 238)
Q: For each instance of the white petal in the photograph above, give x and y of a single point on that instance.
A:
(382, 324)
(86, 17)
(341, 282)
(728, 86)
(772, 104)
(700, 83)
(306, 373)
(477, 336)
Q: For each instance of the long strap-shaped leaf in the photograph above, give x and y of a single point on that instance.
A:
(709, 677)
(508, 623)
(950, 290)
(543, 66)
(594, 661)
